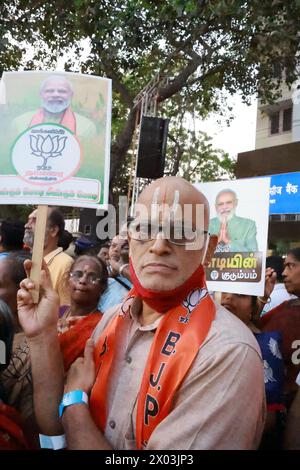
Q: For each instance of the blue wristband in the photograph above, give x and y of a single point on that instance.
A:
(72, 398)
(53, 442)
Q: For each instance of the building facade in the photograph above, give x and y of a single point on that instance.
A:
(277, 150)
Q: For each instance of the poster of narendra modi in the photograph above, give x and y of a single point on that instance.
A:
(54, 139)
(239, 217)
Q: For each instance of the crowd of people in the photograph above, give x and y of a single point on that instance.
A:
(127, 349)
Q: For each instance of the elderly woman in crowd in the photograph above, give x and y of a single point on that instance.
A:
(86, 281)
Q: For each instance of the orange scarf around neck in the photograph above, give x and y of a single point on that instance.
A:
(72, 342)
(68, 119)
(175, 345)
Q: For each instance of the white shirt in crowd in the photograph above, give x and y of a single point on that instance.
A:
(279, 295)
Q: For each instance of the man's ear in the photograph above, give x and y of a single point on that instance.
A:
(213, 241)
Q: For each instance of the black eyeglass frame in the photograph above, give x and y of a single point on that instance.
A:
(131, 221)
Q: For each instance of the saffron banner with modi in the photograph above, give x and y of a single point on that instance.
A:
(54, 139)
(239, 217)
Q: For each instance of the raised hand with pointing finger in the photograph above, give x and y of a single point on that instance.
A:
(36, 319)
(39, 322)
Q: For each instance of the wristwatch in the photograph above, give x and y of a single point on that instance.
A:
(72, 398)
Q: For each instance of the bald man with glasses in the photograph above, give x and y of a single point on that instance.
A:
(166, 369)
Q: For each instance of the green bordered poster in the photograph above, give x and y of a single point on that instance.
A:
(54, 139)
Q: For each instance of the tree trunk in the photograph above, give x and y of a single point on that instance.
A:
(122, 144)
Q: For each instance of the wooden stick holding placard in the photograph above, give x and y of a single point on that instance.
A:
(38, 250)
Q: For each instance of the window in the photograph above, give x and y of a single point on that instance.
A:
(284, 217)
(275, 217)
(287, 120)
(274, 118)
(281, 121)
(290, 217)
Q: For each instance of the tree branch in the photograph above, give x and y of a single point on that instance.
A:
(107, 68)
(180, 81)
(205, 75)
(118, 85)
(179, 153)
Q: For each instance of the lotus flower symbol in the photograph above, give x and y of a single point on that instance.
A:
(47, 147)
(191, 301)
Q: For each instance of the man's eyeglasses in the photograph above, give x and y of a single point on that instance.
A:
(91, 278)
(177, 234)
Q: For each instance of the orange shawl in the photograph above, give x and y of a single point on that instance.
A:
(68, 119)
(176, 343)
(72, 342)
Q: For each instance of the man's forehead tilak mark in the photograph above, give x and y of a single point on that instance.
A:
(156, 207)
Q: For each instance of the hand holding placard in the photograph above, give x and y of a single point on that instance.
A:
(40, 318)
(38, 250)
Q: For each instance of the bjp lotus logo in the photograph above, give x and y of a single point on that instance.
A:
(47, 147)
(46, 154)
(191, 301)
